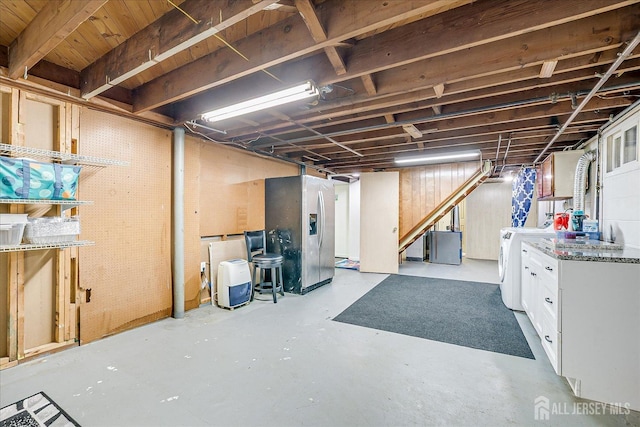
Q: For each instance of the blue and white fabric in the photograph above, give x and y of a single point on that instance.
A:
(522, 196)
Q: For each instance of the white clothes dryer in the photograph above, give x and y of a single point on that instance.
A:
(509, 261)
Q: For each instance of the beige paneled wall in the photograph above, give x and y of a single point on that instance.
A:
(488, 209)
(125, 278)
(232, 189)
(129, 268)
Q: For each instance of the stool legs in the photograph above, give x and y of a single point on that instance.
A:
(273, 284)
(277, 281)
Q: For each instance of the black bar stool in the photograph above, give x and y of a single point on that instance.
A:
(256, 254)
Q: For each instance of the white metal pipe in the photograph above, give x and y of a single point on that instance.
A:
(627, 51)
(178, 223)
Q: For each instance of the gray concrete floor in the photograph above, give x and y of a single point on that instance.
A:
(289, 364)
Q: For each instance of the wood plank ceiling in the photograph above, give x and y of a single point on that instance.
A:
(397, 78)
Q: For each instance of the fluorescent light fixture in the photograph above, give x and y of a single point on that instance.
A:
(412, 130)
(439, 158)
(548, 67)
(305, 90)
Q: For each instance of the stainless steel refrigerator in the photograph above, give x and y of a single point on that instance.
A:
(445, 247)
(300, 225)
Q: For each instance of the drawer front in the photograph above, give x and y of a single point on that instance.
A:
(550, 269)
(549, 301)
(551, 339)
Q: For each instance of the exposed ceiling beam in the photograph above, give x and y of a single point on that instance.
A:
(308, 13)
(55, 21)
(467, 116)
(504, 55)
(171, 34)
(349, 18)
(522, 81)
(576, 38)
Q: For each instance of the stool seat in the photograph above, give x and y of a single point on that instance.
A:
(267, 260)
(264, 261)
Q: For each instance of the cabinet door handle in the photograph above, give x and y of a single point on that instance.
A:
(524, 250)
(548, 300)
(547, 339)
(533, 274)
(548, 268)
(526, 268)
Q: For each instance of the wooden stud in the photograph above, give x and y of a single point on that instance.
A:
(439, 90)
(369, 85)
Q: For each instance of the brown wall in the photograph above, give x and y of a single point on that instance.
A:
(423, 188)
(129, 268)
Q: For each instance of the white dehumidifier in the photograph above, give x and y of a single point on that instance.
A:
(234, 283)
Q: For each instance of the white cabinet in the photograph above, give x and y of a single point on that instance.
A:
(587, 315)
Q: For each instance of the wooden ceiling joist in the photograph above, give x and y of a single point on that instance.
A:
(171, 34)
(308, 14)
(55, 21)
(349, 18)
(462, 72)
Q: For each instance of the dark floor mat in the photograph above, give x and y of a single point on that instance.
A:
(469, 314)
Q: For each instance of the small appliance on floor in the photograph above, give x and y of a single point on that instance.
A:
(234, 283)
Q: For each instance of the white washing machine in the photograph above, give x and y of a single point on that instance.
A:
(509, 261)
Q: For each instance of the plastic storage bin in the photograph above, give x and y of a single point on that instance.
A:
(50, 230)
(12, 228)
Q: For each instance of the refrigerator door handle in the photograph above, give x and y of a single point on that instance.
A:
(321, 219)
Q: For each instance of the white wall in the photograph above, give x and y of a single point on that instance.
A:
(620, 196)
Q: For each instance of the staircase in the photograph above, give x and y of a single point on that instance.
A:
(445, 207)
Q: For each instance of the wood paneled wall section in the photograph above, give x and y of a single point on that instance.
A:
(423, 188)
(192, 215)
(125, 279)
(129, 268)
(232, 189)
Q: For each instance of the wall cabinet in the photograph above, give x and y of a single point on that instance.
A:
(587, 315)
(555, 176)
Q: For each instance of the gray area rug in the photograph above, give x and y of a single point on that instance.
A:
(35, 411)
(469, 314)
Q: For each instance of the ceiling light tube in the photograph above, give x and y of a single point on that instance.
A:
(306, 90)
(438, 158)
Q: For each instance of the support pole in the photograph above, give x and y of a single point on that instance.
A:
(178, 223)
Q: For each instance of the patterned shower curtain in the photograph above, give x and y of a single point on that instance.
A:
(522, 196)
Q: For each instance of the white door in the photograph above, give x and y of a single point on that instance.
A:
(342, 220)
(379, 213)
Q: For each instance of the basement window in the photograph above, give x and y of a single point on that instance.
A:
(613, 152)
(622, 148)
(630, 145)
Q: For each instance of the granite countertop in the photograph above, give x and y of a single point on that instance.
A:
(590, 250)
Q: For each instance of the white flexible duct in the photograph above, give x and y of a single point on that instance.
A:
(579, 182)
